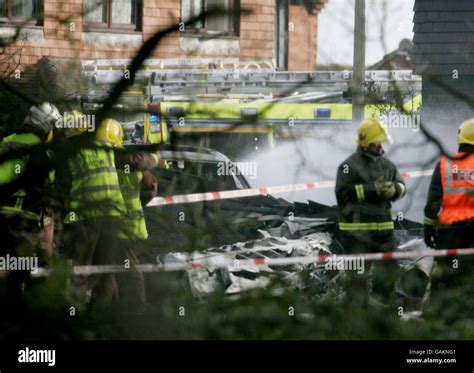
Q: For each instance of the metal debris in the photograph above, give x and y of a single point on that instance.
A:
(223, 269)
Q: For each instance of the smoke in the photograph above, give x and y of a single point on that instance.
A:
(316, 156)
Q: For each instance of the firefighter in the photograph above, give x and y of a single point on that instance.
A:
(22, 182)
(449, 210)
(95, 206)
(138, 186)
(367, 183)
(51, 235)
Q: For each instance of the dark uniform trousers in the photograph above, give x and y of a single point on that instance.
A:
(94, 241)
(456, 270)
(379, 279)
(131, 284)
(19, 238)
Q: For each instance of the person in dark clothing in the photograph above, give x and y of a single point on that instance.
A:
(367, 183)
(449, 210)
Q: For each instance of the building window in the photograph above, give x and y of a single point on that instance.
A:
(29, 11)
(113, 14)
(222, 24)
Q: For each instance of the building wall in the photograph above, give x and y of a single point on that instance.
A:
(68, 41)
(443, 55)
(302, 39)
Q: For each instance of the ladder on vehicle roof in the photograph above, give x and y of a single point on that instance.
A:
(229, 76)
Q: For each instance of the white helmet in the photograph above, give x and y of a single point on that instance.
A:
(43, 117)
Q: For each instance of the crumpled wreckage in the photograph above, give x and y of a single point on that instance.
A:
(224, 271)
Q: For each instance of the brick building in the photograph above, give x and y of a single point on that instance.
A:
(280, 30)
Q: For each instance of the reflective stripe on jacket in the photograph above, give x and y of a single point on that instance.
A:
(360, 208)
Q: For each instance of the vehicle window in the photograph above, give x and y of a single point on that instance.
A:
(184, 176)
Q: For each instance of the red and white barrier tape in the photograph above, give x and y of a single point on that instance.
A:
(261, 262)
(241, 193)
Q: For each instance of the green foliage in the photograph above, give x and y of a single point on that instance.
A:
(273, 313)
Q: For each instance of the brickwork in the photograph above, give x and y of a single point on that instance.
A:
(63, 34)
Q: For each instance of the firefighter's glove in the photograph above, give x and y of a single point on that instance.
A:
(389, 190)
(379, 183)
(431, 235)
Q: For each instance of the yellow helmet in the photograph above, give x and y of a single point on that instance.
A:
(110, 131)
(466, 132)
(372, 130)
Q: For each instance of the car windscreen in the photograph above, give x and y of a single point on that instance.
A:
(185, 177)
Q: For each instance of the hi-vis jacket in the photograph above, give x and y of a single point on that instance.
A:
(95, 189)
(135, 179)
(451, 194)
(21, 178)
(360, 208)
